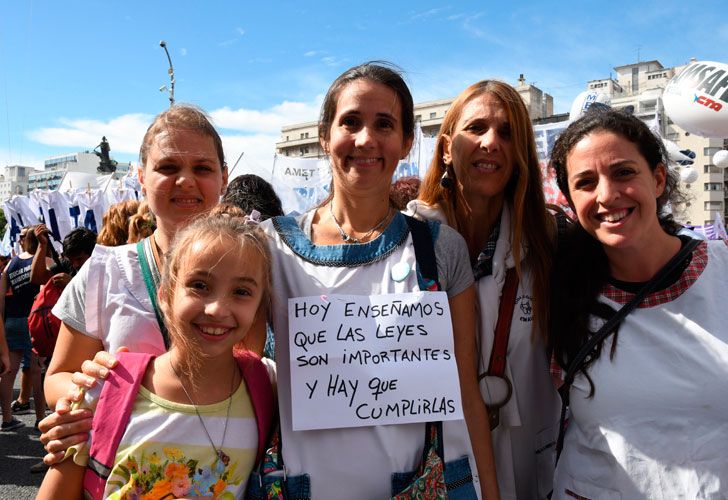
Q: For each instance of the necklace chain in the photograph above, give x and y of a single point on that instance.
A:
(224, 457)
(347, 238)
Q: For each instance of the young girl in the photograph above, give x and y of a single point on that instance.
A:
(194, 423)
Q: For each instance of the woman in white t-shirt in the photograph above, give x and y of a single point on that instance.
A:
(648, 407)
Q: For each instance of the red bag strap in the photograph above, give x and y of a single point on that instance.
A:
(260, 389)
(111, 418)
(497, 364)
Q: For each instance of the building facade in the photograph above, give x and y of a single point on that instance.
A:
(14, 181)
(55, 168)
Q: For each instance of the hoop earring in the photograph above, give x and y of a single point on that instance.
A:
(446, 182)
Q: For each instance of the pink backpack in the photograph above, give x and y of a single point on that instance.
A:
(117, 399)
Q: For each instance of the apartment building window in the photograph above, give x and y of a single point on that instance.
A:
(711, 169)
(714, 205)
(418, 118)
(711, 151)
(306, 135)
(713, 186)
(301, 135)
(433, 115)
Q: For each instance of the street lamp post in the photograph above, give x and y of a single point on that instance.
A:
(163, 44)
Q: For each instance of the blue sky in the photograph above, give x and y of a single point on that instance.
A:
(74, 70)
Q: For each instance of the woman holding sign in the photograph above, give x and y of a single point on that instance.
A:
(357, 244)
(485, 181)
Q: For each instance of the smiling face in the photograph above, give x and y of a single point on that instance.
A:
(480, 148)
(182, 176)
(614, 192)
(366, 140)
(216, 295)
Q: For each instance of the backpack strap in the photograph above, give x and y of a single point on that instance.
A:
(260, 389)
(111, 418)
(424, 253)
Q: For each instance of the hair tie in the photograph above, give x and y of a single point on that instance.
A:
(253, 219)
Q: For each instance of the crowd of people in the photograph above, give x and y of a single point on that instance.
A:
(589, 353)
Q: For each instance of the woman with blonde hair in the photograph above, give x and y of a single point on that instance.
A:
(112, 301)
(142, 224)
(485, 181)
(115, 228)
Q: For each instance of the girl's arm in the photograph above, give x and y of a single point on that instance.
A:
(62, 481)
(463, 314)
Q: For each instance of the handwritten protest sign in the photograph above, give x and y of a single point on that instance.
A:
(371, 360)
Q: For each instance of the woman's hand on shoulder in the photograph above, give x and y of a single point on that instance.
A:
(66, 426)
(95, 369)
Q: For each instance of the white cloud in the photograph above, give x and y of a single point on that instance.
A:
(228, 43)
(266, 121)
(16, 158)
(311, 53)
(183, 51)
(253, 131)
(258, 154)
(240, 31)
(124, 133)
(428, 13)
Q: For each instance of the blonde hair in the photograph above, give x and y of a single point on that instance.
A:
(115, 227)
(217, 232)
(141, 224)
(532, 226)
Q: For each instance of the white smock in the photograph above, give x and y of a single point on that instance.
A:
(524, 441)
(351, 463)
(657, 425)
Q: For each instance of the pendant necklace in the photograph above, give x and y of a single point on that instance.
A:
(224, 457)
(347, 238)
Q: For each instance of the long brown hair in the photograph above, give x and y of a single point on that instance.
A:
(531, 224)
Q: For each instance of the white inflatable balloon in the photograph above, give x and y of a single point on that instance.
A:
(697, 99)
(688, 175)
(720, 159)
(586, 99)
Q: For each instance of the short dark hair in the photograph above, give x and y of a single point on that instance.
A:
(250, 192)
(79, 241)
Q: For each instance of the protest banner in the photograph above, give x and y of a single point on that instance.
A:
(372, 360)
